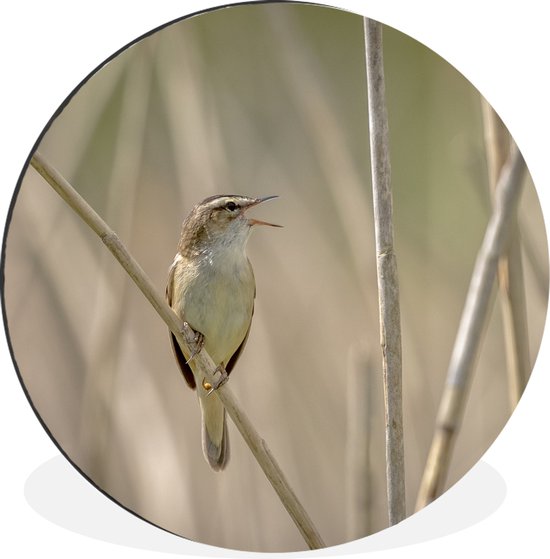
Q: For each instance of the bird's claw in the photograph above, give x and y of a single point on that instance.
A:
(199, 344)
(218, 382)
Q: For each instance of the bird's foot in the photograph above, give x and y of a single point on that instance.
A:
(222, 379)
(199, 344)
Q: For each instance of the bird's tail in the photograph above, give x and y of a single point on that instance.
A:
(215, 441)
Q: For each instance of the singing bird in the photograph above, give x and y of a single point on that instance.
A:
(211, 286)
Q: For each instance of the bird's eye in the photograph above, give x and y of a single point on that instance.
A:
(231, 206)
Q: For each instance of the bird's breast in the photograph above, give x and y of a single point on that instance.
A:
(217, 299)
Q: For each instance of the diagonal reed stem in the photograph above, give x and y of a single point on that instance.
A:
(185, 337)
(510, 267)
(386, 268)
(470, 330)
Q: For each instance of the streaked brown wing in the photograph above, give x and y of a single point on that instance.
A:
(180, 358)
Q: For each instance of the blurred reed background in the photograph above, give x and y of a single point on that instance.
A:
(258, 100)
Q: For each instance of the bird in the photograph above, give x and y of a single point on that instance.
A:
(211, 287)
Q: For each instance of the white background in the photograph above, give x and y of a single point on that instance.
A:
(48, 47)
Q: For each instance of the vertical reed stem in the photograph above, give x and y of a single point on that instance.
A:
(358, 441)
(386, 267)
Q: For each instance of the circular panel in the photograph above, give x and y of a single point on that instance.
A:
(262, 100)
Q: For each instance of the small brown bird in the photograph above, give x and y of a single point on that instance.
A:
(211, 286)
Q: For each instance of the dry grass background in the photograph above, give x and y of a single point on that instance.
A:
(258, 100)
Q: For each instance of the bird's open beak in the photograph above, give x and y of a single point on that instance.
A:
(252, 221)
